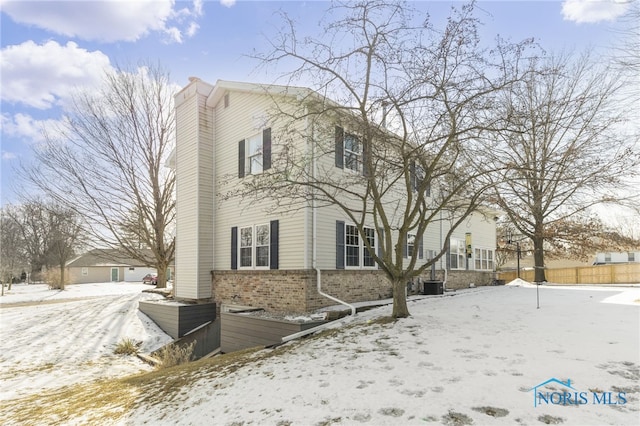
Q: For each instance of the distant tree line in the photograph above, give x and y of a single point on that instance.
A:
(36, 237)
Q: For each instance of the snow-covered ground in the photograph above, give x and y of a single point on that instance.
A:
(53, 338)
(470, 356)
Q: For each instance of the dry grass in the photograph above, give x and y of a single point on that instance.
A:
(112, 401)
(127, 347)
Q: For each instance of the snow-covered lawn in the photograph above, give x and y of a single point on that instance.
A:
(473, 356)
(53, 338)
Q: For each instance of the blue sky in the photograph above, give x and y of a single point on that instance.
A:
(49, 48)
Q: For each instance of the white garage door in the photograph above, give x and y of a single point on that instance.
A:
(136, 274)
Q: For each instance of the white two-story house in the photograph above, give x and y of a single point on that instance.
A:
(243, 251)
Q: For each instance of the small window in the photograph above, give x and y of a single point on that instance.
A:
(352, 245)
(262, 245)
(368, 260)
(226, 100)
(457, 254)
(254, 154)
(85, 271)
(246, 247)
(631, 256)
(607, 257)
(411, 244)
(352, 152)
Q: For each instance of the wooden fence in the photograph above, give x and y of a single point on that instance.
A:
(624, 273)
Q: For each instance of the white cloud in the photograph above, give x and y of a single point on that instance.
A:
(591, 11)
(227, 3)
(8, 155)
(42, 76)
(101, 20)
(25, 127)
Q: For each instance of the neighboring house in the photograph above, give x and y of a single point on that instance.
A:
(106, 265)
(229, 251)
(620, 257)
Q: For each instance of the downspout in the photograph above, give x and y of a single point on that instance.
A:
(314, 210)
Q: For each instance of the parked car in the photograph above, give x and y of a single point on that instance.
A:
(150, 279)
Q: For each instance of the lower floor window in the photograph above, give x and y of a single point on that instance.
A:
(254, 246)
(457, 254)
(356, 252)
(483, 259)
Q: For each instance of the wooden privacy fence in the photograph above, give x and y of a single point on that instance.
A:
(623, 273)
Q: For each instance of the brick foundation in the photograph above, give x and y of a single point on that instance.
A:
(461, 279)
(296, 291)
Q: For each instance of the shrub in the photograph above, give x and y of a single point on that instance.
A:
(174, 354)
(127, 347)
(52, 277)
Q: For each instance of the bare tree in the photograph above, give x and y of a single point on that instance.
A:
(31, 221)
(413, 99)
(627, 52)
(12, 253)
(64, 237)
(564, 149)
(106, 162)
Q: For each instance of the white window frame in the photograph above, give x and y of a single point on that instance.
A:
(262, 245)
(253, 153)
(355, 241)
(85, 271)
(457, 249)
(366, 256)
(253, 245)
(244, 244)
(410, 247)
(352, 158)
(483, 259)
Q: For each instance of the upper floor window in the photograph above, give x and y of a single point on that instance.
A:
(352, 152)
(417, 177)
(254, 154)
(253, 163)
(348, 151)
(631, 256)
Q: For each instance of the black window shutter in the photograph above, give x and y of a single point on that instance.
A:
(339, 147)
(241, 159)
(274, 243)
(339, 244)
(266, 149)
(412, 176)
(365, 158)
(405, 246)
(234, 247)
(420, 250)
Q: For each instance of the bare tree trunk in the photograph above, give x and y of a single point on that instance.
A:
(538, 256)
(62, 275)
(400, 308)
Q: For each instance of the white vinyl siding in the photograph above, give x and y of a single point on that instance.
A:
(245, 117)
(194, 183)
